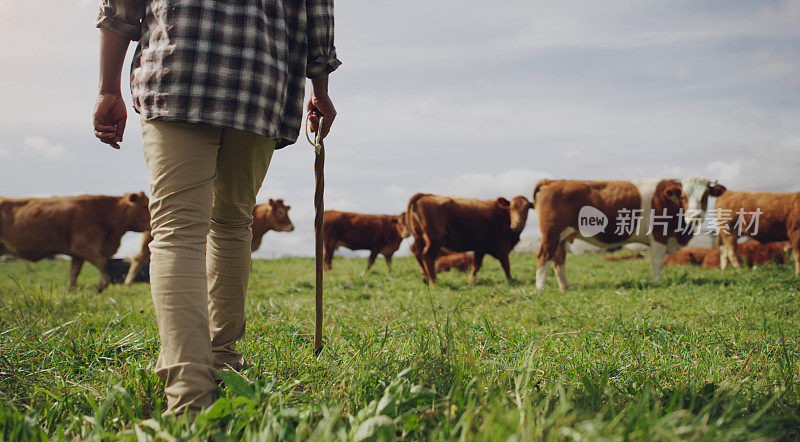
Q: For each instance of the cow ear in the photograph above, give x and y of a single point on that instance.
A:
(717, 190)
(271, 202)
(528, 204)
(288, 207)
(503, 203)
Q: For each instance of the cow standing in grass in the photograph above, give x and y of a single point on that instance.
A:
(86, 227)
(465, 225)
(625, 208)
(778, 220)
(380, 234)
(271, 216)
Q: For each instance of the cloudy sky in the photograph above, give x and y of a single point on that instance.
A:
(467, 98)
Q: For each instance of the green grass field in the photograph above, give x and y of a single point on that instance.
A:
(699, 355)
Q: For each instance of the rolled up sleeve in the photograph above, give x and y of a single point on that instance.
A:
(321, 52)
(121, 16)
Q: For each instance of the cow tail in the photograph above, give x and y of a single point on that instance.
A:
(413, 217)
(538, 187)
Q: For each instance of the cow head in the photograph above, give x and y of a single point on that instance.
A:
(517, 209)
(696, 191)
(402, 225)
(279, 216)
(135, 211)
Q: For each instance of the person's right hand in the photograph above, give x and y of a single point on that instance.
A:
(320, 105)
(109, 118)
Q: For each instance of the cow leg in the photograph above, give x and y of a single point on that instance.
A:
(327, 256)
(388, 259)
(723, 257)
(560, 267)
(416, 249)
(429, 261)
(429, 254)
(477, 261)
(547, 252)
(727, 251)
(657, 253)
(136, 265)
(372, 256)
(101, 262)
(794, 239)
(542, 267)
(74, 271)
(504, 263)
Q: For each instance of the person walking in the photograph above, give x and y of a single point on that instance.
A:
(219, 86)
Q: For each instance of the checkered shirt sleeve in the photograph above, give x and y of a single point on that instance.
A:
(321, 52)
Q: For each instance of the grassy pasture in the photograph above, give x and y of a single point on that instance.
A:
(699, 355)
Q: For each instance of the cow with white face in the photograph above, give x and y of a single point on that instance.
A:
(697, 190)
(663, 214)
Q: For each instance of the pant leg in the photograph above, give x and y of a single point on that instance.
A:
(181, 163)
(241, 165)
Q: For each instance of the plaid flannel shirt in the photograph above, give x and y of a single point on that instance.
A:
(235, 63)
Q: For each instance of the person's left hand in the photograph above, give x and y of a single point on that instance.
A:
(109, 118)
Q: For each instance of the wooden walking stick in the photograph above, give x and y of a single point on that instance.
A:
(319, 209)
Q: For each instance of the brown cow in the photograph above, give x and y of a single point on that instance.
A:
(611, 213)
(711, 261)
(778, 220)
(380, 234)
(630, 256)
(271, 216)
(690, 255)
(460, 261)
(87, 228)
(752, 252)
(464, 224)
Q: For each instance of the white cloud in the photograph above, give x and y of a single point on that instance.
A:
(510, 183)
(4, 152)
(773, 65)
(727, 172)
(397, 196)
(773, 166)
(41, 147)
(583, 159)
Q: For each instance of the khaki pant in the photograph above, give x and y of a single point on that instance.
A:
(203, 186)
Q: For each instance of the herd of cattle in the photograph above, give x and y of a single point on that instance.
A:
(448, 232)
